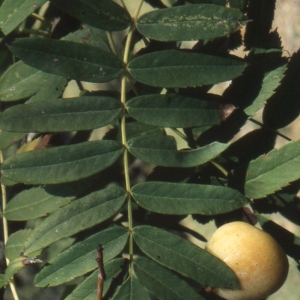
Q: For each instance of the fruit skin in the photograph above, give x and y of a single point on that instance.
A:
(259, 263)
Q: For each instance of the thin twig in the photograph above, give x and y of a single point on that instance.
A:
(276, 131)
(111, 43)
(40, 18)
(123, 127)
(219, 167)
(5, 232)
(101, 273)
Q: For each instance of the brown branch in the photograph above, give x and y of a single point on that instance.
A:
(101, 273)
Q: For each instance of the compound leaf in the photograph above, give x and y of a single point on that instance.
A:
(190, 22)
(80, 258)
(103, 14)
(87, 289)
(271, 81)
(182, 256)
(21, 81)
(181, 198)
(131, 289)
(61, 164)
(173, 110)
(12, 14)
(69, 59)
(177, 68)
(161, 282)
(38, 201)
(161, 151)
(15, 244)
(75, 217)
(269, 173)
(9, 138)
(83, 113)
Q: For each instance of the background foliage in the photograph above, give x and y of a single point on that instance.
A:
(134, 148)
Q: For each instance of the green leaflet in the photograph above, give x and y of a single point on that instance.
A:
(87, 291)
(2, 280)
(182, 256)
(190, 22)
(161, 151)
(97, 13)
(13, 267)
(177, 68)
(173, 110)
(90, 36)
(75, 217)
(12, 14)
(15, 243)
(131, 289)
(161, 282)
(270, 83)
(61, 164)
(135, 129)
(269, 173)
(39, 201)
(69, 59)
(84, 113)
(181, 198)
(21, 81)
(9, 138)
(79, 259)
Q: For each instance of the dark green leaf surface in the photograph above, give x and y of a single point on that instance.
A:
(190, 22)
(13, 267)
(269, 173)
(131, 289)
(103, 14)
(2, 280)
(38, 201)
(173, 111)
(161, 151)
(52, 88)
(84, 113)
(15, 243)
(87, 289)
(184, 257)
(271, 81)
(90, 36)
(13, 13)
(181, 198)
(21, 81)
(80, 258)
(69, 59)
(9, 138)
(161, 282)
(75, 217)
(61, 164)
(135, 129)
(174, 68)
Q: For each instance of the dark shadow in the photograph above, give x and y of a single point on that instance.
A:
(257, 32)
(245, 88)
(284, 106)
(284, 238)
(292, 211)
(170, 174)
(225, 131)
(284, 201)
(221, 44)
(251, 145)
(240, 4)
(156, 3)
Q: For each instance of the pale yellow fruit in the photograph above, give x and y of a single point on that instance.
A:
(259, 263)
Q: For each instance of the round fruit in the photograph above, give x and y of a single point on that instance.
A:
(259, 263)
